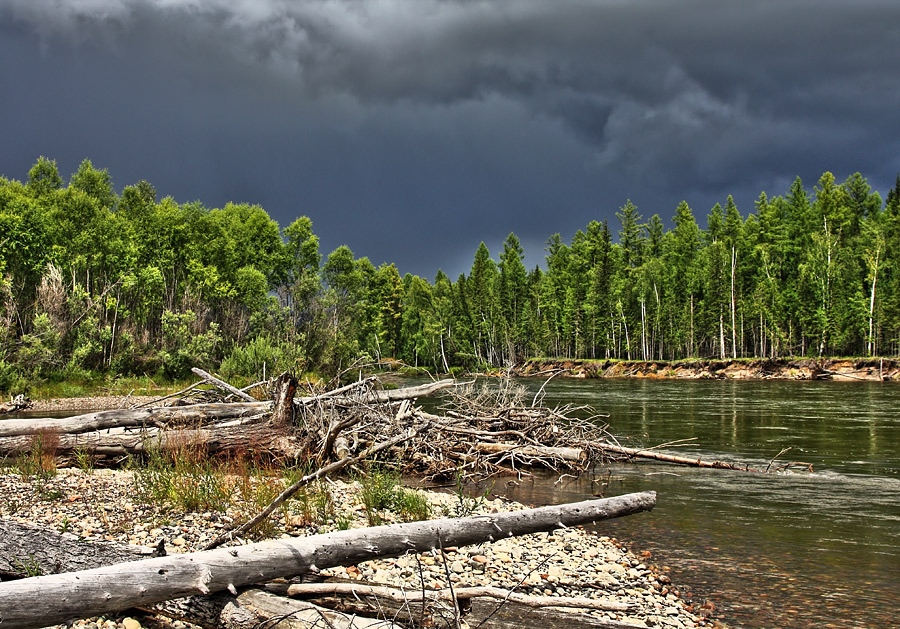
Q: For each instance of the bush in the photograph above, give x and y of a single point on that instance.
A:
(185, 347)
(259, 354)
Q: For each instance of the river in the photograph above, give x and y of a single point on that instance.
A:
(793, 549)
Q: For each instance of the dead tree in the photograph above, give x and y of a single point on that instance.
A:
(141, 583)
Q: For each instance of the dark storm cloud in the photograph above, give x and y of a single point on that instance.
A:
(460, 120)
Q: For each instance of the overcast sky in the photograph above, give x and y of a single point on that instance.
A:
(411, 130)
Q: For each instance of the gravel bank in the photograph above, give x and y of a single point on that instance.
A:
(103, 504)
(89, 404)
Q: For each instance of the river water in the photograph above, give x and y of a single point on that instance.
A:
(793, 549)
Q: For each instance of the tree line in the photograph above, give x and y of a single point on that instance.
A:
(91, 280)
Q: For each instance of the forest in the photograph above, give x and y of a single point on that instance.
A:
(92, 281)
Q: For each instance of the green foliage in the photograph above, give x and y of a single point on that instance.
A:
(183, 478)
(465, 504)
(380, 490)
(184, 346)
(92, 283)
(261, 352)
(84, 460)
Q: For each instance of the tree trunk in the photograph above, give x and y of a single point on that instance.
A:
(141, 583)
(193, 414)
(29, 550)
(26, 549)
(232, 437)
(733, 325)
(223, 385)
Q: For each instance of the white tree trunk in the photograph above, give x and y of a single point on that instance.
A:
(62, 597)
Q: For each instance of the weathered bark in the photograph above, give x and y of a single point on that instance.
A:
(254, 608)
(308, 590)
(283, 395)
(476, 612)
(141, 583)
(576, 455)
(671, 458)
(378, 396)
(411, 393)
(28, 550)
(236, 437)
(223, 385)
(196, 414)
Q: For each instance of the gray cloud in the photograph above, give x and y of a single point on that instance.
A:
(498, 114)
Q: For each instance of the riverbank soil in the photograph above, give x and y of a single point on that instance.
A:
(869, 369)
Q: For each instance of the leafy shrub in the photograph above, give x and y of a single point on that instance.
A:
(185, 347)
(262, 351)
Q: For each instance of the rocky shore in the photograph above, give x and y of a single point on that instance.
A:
(849, 369)
(103, 505)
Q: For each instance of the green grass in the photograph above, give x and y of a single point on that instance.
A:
(380, 490)
(91, 384)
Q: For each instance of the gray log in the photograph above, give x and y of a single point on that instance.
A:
(194, 414)
(28, 550)
(222, 384)
(103, 590)
(115, 442)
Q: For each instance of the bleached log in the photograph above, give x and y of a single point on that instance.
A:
(378, 396)
(233, 437)
(302, 590)
(27, 549)
(194, 414)
(254, 608)
(411, 393)
(222, 384)
(671, 458)
(141, 583)
(576, 455)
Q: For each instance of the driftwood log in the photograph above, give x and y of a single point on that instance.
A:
(308, 590)
(237, 437)
(175, 415)
(18, 403)
(26, 550)
(142, 583)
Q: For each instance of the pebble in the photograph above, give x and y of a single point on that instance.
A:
(572, 562)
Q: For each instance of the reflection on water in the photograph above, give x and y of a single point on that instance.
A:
(784, 550)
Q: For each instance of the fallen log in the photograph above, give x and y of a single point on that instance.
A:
(18, 403)
(301, 590)
(488, 613)
(194, 414)
(384, 396)
(221, 384)
(671, 458)
(30, 550)
(235, 437)
(26, 550)
(141, 583)
(255, 608)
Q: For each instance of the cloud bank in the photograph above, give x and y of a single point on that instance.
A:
(499, 113)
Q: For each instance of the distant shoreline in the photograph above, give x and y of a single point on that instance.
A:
(847, 369)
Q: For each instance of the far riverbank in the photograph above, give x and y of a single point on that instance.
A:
(869, 369)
